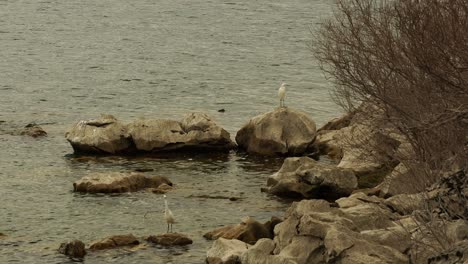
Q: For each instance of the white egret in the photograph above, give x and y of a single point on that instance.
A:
(168, 216)
(282, 93)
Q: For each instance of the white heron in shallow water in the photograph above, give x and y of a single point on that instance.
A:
(168, 216)
(282, 93)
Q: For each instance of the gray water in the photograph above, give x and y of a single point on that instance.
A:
(62, 61)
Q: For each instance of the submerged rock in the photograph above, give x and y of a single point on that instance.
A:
(283, 131)
(33, 130)
(224, 251)
(170, 239)
(118, 182)
(115, 242)
(249, 231)
(305, 177)
(105, 135)
(74, 249)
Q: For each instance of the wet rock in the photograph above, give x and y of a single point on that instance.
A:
(248, 231)
(283, 131)
(74, 249)
(105, 135)
(170, 239)
(117, 182)
(33, 130)
(115, 242)
(305, 177)
(195, 132)
(224, 251)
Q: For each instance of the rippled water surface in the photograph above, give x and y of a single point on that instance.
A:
(62, 61)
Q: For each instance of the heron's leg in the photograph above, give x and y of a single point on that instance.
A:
(171, 228)
(167, 228)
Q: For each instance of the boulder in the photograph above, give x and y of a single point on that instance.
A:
(73, 249)
(114, 242)
(248, 231)
(283, 131)
(406, 203)
(33, 130)
(195, 132)
(170, 239)
(338, 123)
(117, 182)
(105, 135)
(226, 251)
(305, 177)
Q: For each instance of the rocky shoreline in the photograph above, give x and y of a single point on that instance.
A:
(359, 206)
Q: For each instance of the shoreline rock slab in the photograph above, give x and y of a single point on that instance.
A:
(114, 242)
(170, 239)
(283, 131)
(118, 182)
(73, 249)
(307, 178)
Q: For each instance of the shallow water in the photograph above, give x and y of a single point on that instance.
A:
(63, 61)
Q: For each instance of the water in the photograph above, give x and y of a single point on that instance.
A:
(62, 61)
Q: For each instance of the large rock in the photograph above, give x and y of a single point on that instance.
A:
(308, 178)
(248, 231)
(195, 132)
(105, 135)
(400, 181)
(224, 251)
(170, 239)
(284, 131)
(73, 249)
(114, 242)
(117, 182)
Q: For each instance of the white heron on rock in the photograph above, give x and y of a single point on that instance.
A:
(282, 93)
(168, 216)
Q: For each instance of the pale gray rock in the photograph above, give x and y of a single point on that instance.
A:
(308, 178)
(117, 182)
(105, 135)
(283, 131)
(196, 132)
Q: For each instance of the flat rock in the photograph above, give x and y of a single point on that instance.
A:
(170, 239)
(114, 242)
(73, 249)
(307, 178)
(117, 182)
(283, 131)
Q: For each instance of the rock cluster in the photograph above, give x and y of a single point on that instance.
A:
(118, 182)
(283, 131)
(107, 135)
(115, 242)
(73, 249)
